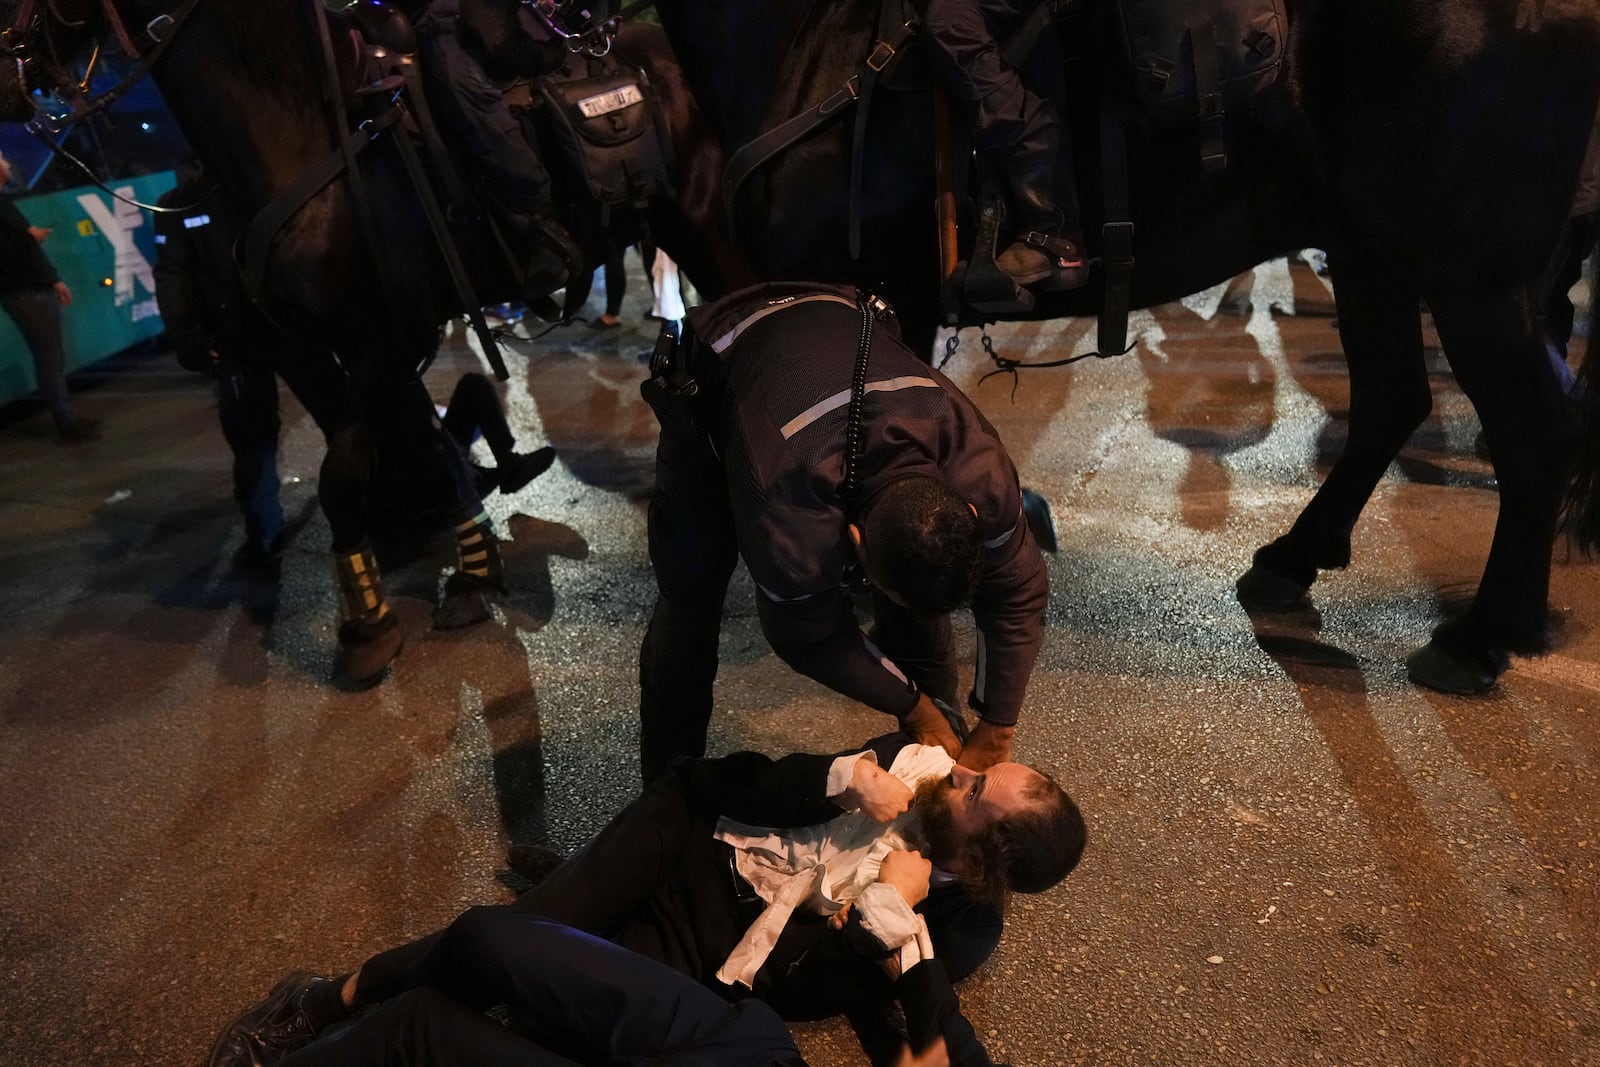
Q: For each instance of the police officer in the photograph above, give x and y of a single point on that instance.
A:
(1017, 131)
(752, 463)
(214, 328)
(472, 110)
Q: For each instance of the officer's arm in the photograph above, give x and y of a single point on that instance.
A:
(1008, 609)
(818, 636)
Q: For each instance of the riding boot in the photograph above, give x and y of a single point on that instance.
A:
(369, 634)
(1045, 252)
(480, 574)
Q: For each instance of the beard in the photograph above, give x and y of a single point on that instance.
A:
(933, 829)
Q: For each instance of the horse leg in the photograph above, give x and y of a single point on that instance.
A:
(1381, 331)
(1497, 352)
(369, 633)
(480, 573)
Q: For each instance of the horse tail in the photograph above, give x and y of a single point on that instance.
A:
(1581, 511)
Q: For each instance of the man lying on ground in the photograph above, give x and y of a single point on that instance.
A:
(573, 998)
(797, 880)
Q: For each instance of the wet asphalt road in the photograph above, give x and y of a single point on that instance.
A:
(1297, 857)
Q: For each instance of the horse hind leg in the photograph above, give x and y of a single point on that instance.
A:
(1532, 428)
(1381, 332)
(369, 633)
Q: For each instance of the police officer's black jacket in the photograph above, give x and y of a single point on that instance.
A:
(199, 288)
(778, 393)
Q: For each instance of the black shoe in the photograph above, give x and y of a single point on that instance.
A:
(237, 1049)
(79, 431)
(270, 1029)
(523, 468)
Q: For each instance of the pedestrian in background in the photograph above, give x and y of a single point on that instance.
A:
(33, 294)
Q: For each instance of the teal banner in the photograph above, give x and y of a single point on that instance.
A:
(104, 249)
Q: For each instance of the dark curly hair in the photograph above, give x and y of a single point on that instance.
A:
(925, 545)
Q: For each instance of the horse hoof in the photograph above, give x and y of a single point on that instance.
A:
(1433, 666)
(1263, 589)
(365, 652)
(468, 600)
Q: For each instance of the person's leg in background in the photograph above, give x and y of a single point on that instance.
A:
(247, 406)
(475, 409)
(616, 287)
(37, 313)
(666, 284)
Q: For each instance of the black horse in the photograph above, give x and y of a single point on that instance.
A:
(1431, 146)
(246, 82)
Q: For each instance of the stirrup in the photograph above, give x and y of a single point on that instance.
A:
(1064, 265)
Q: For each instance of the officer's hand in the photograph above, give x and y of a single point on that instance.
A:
(987, 745)
(63, 294)
(908, 872)
(927, 726)
(935, 1055)
(875, 791)
(38, 233)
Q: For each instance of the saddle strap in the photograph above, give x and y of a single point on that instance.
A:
(1116, 234)
(1208, 103)
(756, 153)
(452, 260)
(883, 52)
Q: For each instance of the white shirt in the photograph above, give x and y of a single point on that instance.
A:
(821, 868)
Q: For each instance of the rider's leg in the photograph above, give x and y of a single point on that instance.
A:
(1047, 247)
(1018, 131)
(472, 109)
(475, 409)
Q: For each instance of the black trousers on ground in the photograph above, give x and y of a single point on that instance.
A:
(474, 408)
(584, 1000)
(652, 880)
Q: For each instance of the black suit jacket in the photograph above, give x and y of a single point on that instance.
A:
(815, 971)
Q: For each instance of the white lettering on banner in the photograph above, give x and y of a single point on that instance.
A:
(145, 309)
(116, 224)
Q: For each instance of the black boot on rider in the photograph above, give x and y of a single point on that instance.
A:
(1045, 252)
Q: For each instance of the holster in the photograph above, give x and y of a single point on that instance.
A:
(672, 391)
